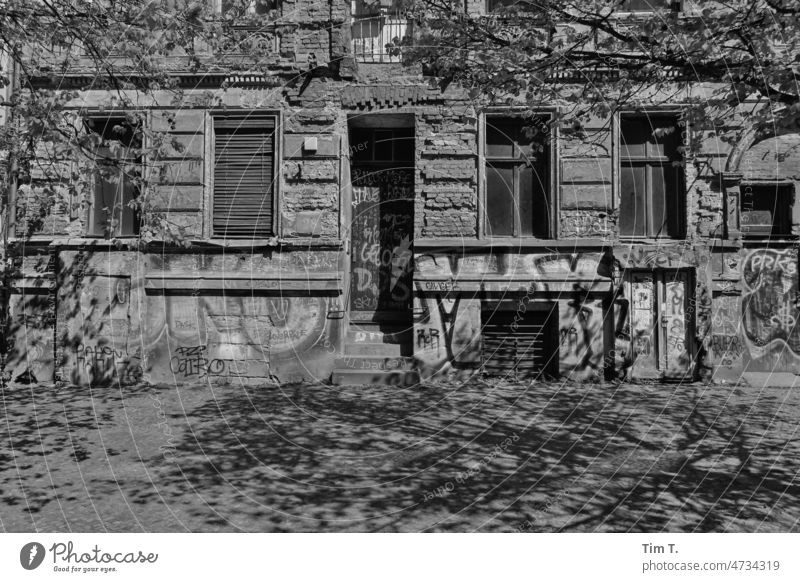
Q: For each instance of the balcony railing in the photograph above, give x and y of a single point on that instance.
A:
(376, 34)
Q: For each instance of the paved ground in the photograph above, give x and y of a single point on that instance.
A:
(457, 458)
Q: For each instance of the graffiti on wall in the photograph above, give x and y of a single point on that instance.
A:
(224, 337)
(585, 224)
(770, 302)
(674, 324)
(382, 230)
(726, 345)
(31, 356)
(580, 351)
(98, 333)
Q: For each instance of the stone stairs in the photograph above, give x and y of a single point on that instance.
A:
(377, 350)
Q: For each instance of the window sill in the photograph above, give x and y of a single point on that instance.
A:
(649, 240)
(507, 243)
(782, 241)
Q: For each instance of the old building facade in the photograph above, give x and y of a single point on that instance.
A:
(349, 221)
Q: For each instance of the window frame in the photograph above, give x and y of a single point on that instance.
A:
(385, 19)
(553, 194)
(210, 167)
(90, 226)
(790, 210)
(489, 9)
(667, 111)
(675, 6)
(250, 11)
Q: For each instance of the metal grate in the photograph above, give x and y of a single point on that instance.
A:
(519, 345)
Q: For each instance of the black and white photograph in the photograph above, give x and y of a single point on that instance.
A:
(400, 267)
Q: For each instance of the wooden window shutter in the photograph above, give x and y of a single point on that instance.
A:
(244, 177)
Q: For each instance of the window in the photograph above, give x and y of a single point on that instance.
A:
(517, 153)
(648, 5)
(652, 188)
(244, 7)
(382, 145)
(766, 210)
(526, 5)
(244, 176)
(377, 29)
(112, 211)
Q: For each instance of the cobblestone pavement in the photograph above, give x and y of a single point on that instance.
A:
(476, 457)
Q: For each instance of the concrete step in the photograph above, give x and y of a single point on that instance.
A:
(378, 363)
(368, 377)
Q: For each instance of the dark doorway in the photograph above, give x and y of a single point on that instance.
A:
(382, 227)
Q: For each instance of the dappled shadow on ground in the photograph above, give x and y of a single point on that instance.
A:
(475, 457)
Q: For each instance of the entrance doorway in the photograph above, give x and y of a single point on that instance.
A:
(382, 225)
(660, 321)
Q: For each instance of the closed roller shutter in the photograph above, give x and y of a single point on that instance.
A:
(244, 181)
(527, 350)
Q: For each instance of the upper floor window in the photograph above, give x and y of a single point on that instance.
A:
(648, 5)
(378, 28)
(766, 210)
(518, 192)
(244, 176)
(112, 208)
(244, 7)
(526, 5)
(652, 184)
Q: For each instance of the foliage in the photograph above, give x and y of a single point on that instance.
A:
(727, 61)
(133, 50)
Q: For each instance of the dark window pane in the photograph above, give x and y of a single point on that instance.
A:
(111, 212)
(664, 145)
(766, 210)
(540, 198)
(500, 201)
(526, 207)
(634, 133)
(128, 221)
(633, 207)
(404, 145)
(499, 139)
(361, 148)
(675, 200)
(529, 141)
(644, 5)
(658, 200)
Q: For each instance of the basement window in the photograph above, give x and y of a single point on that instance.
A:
(517, 344)
(766, 210)
(112, 208)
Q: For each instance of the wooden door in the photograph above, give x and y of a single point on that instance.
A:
(674, 324)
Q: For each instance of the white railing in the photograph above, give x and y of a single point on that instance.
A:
(376, 36)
